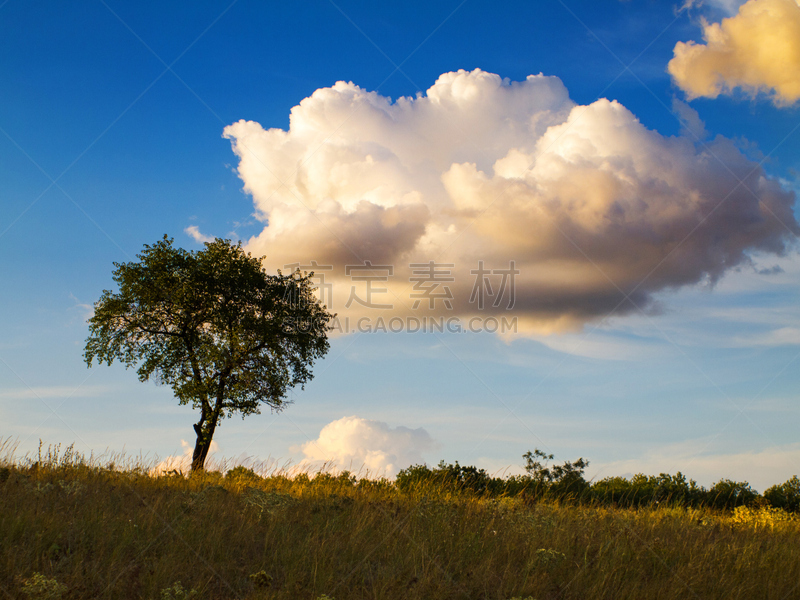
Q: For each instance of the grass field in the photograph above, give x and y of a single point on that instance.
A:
(71, 528)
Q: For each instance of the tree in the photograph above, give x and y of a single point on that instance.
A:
(212, 324)
(560, 480)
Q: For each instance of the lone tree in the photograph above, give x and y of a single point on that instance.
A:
(212, 324)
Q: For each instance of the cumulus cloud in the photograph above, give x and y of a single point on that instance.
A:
(194, 232)
(588, 203)
(757, 50)
(354, 443)
(183, 462)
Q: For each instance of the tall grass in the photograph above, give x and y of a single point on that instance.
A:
(72, 527)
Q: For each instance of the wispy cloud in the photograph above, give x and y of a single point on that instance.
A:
(782, 336)
(603, 345)
(85, 310)
(56, 391)
(691, 123)
(194, 232)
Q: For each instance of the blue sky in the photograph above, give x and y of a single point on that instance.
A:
(112, 120)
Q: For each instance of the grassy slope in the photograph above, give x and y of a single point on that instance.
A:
(124, 534)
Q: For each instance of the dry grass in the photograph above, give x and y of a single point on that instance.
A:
(71, 528)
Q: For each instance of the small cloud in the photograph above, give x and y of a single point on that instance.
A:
(194, 233)
(86, 311)
(182, 462)
(774, 270)
(354, 444)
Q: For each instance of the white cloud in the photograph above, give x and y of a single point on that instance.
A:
(587, 201)
(183, 462)
(194, 232)
(757, 50)
(358, 444)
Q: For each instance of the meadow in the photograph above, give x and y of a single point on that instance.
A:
(72, 527)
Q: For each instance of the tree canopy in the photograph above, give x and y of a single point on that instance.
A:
(226, 336)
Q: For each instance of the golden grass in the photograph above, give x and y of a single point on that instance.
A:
(71, 528)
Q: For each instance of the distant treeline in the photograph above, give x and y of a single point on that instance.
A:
(567, 483)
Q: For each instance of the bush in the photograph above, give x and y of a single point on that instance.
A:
(761, 517)
(342, 481)
(242, 476)
(445, 477)
(785, 495)
(39, 587)
(454, 478)
(672, 490)
(177, 592)
(727, 494)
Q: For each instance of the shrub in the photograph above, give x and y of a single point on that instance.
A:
(672, 490)
(242, 475)
(177, 592)
(413, 477)
(785, 495)
(763, 517)
(261, 579)
(449, 478)
(39, 587)
(728, 494)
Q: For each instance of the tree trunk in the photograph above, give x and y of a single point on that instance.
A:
(203, 444)
(205, 430)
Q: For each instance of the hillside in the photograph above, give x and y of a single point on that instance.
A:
(71, 529)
